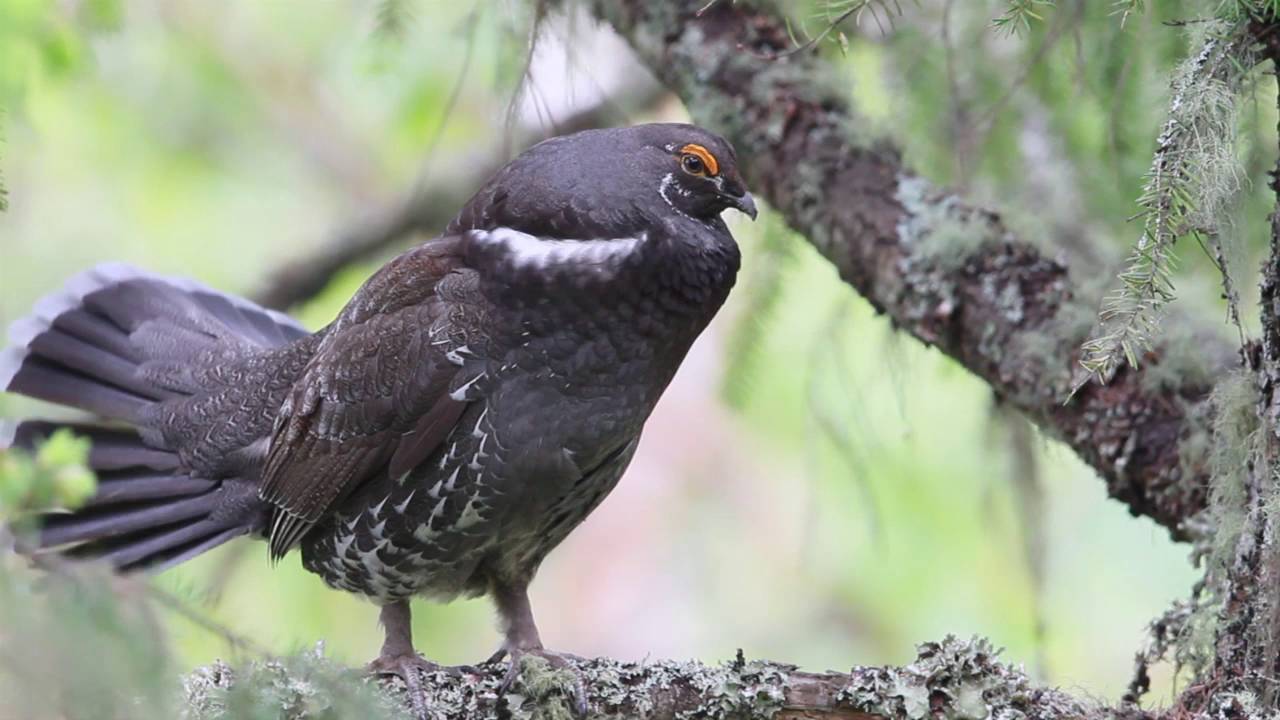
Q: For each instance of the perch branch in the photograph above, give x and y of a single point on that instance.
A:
(995, 303)
(948, 679)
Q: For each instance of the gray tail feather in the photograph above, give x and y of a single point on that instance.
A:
(116, 339)
(146, 513)
(115, 342)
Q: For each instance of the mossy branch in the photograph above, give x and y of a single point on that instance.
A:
(951, 678)
(950, 274)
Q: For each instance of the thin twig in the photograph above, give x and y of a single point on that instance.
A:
(854, 9)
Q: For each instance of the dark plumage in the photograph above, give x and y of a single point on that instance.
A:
(471, 404)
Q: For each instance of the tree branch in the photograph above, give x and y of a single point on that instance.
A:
(948, 679)
(1244, 575)
(950, 274)
(427, 209)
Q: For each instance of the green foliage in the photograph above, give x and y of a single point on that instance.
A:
(44, 40)
(304, 685)
(38, 42)
(74, 642)
(1245, 9)
(1193, 179)
(54, 476)
(831, 15)
(762, 292)
(880, 12)
(80, 644)
(1126, 8)
(1021, 14)
(271, 122)
(77, 641)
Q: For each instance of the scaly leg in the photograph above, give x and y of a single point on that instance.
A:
(398, 657)
(521, 638)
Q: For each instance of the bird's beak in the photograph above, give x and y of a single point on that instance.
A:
(745, 203)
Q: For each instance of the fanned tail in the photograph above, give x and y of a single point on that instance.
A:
(120, 343)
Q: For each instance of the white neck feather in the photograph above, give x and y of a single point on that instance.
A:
(531, 251)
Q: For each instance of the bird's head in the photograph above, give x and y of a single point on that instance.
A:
(697, 169)
(611, 182)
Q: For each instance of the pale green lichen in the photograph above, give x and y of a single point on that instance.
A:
(1180, 360)
(957, 679)
(310, 686)
(937, 225)
(1049, 346)
(541, 692)
(1227, 430)
(1236, 438)
(951, 678)
(739, 690)
(307, 685)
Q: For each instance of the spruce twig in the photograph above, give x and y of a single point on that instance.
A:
(1193, 177)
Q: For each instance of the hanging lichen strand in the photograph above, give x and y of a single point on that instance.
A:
(1194, 175)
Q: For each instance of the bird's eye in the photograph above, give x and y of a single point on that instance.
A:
(697, 160)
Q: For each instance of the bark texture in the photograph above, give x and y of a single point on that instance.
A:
(1246, 652)
(955, 277)
(952, 678)
(950, 274)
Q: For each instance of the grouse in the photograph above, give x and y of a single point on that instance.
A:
(474, 401)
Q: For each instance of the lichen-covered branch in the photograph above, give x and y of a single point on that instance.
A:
(426, 209)
(952, 678)
(948, 273)
(1244, 569)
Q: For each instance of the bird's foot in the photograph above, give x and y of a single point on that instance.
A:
(411, 669)
(404, 666)
(540, 674)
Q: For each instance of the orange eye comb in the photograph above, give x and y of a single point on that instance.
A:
(709, 160)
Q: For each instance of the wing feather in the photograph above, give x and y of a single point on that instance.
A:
(374, 398)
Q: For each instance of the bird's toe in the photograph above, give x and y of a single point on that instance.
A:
(412, 670)
(405, 667)
(546, 676)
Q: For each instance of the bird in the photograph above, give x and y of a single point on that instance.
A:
(473, 402)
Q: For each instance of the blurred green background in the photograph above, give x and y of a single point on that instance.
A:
(814, 488)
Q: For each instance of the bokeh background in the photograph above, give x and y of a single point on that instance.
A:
(813, 488)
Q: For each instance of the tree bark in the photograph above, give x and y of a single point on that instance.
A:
(952, 678)
(955, 277)
(951, 275)
(1247, 639)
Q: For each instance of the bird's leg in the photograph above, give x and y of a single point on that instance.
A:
(398, 658)
(522, 639)
(520, 632)
(397, 625)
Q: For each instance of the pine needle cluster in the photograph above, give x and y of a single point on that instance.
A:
(1193, 177)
